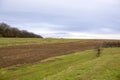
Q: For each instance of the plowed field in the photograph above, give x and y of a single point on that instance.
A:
(33, 53)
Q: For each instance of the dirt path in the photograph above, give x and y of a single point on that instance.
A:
(34, 53)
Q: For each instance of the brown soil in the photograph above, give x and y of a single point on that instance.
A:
(33, 53)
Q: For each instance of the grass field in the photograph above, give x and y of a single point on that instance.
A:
(26, 41)
(77, 66)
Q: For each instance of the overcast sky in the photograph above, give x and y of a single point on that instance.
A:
(64, 18)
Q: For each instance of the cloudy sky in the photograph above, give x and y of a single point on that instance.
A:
(64, 18)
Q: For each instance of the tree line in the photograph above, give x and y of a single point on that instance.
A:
(106, 45)
(111, 44)
(8, 31)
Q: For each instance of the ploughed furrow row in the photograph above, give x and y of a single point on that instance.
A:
(33, 53)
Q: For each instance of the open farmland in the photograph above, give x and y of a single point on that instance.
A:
(32, 53)
(31, 59)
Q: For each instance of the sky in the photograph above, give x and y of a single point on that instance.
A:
(86, 19)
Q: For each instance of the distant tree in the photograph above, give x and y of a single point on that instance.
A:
(7, 31)
(15, 32)
(3, 27)
(0, 35)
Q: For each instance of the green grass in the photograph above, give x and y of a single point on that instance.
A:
(79, 66)
(27, 41)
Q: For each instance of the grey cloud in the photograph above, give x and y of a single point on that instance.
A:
(85, 16)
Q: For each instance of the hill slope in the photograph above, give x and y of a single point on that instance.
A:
(79, 66)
